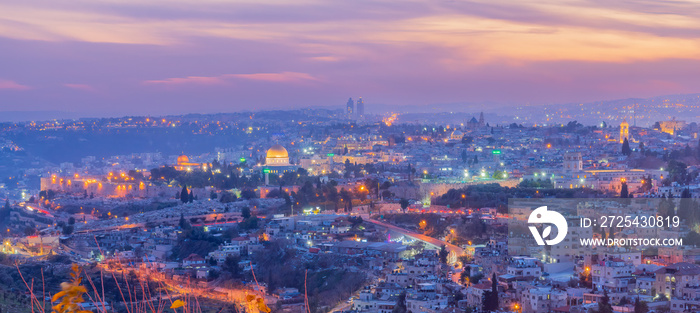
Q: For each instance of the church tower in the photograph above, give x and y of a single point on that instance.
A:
(624, 131)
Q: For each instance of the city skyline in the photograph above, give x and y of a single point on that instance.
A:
(126, 58)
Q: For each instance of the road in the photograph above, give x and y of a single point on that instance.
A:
(185, 290)
(433, 241)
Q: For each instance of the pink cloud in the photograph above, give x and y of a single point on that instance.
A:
(8, 84)
(80, 87)
(198, 80)
(282, 77)
(276, 77)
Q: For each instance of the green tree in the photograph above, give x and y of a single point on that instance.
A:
(466, 273)
(248, 194)
(677, 172)
(443, 254)
(231, 266)
(687, 208)
(490, 300)
(184, 224)
(640, 306)
(692, 238)
(184, 195)
(626, 147)
(67, 229)
(400, 306)
(245, 213)
(604, 305)
(404, 204)
(624, 193)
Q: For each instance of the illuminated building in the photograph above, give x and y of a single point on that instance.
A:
(114, 186)
(184, 164)
(317, 165)
(277, 162)
(350, 108)
(473, 123)
(457, 135)
(573, 162)
(672, 126)
(360, 110)
(624, 131)
(277, 156)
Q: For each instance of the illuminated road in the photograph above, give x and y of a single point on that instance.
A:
(436, 242)
(184, 290)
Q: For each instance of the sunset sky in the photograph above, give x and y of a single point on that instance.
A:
(120, 57)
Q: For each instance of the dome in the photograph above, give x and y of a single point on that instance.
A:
(277, 152)
(183, 159)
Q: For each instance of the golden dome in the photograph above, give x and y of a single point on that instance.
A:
(277, 152)
(183, 159)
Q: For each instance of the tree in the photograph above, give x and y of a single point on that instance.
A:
(184, 195)
(400, 306)
(227, 197)
(677, 172)
(30, 230)
(640, 306)
(466, 273)
(626, 147)
(71, 220)
(248, 194)
(646, 183)
(490, 300)
(443, 254)
(464, 156)
(624, 193)
(67, 229)
(456, 297)
(348, 168)
(245, 213)
(231, 266)
(604, 305)
(183, 223)
(190, 197)
(404, 204)
(355, 221)
(624, 301)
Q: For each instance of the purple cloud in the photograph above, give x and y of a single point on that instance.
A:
(8, 84)
(212, 56)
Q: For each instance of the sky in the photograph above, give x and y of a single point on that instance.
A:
(129, 57)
